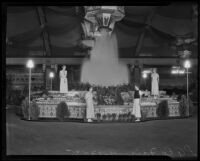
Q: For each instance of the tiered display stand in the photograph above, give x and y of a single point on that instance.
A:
(77, 107)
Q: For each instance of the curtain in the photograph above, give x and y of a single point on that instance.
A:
(16, 9)
(129, 30)
(63, 29)
(67, 11)
(158, 36)
(27, 37)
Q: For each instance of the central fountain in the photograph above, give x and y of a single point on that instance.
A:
(104, 67)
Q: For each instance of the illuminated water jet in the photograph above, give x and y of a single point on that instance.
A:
(103, 67)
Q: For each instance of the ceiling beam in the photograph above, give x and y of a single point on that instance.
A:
(71, 61)
(45, 34)
(142, 35)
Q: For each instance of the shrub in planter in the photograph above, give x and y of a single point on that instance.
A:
(25, 107)
(109, 116)
(132, 118)
(62, 111)
(125, 117)
(18, 109)
(183, 106)
(104, 117)
(120, 117)
(15, 98)
(113, 116)
(129, 117)
(162, 111)
(34, 111)
(191, 107)
(98, 115)
(8, 88)
(143, 115)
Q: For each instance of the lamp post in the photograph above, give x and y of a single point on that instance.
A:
(187, 65)
(29, 65)
(51, 75)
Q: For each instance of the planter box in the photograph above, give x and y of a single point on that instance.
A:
(77, 108)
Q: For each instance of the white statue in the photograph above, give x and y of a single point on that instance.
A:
(63, 80)
(155, 83)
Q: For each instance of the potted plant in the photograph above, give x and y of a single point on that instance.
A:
(120, 117)
(125, 118)
(113, 116)
(132, 118)
(34, 111)
(129, 117)
(62, 111)
(191, 106)
(162, 111)
(18, 102)
(104, 117)
(25, 106)
(143, 116)
(109, 116)
(183, 106)
(98, 115)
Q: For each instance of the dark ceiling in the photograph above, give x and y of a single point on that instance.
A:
(145, 31)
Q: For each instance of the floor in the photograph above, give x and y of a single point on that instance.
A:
(175, 138)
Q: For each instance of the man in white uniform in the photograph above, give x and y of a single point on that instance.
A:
(89, 105)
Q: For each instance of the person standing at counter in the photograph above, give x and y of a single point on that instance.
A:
(136, 104)
(89, 105)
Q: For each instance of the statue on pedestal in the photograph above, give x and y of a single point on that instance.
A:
(154, 84)
(63, 80)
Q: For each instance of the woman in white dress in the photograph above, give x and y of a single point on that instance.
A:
(89, 105)
(154, 83)
(136, 104)
(63, 80)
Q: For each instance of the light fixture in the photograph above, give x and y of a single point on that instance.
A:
(182, 71)
(187, 64)
(30, 64)
(51, 74)
(147, 71)
(144, 75)
(177, 71)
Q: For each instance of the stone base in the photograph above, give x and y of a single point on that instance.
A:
(77, 107)
(104, 112)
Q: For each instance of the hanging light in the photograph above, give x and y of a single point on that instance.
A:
(104, 16)
(144, 75)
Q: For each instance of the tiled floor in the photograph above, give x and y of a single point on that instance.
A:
(176, 138)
